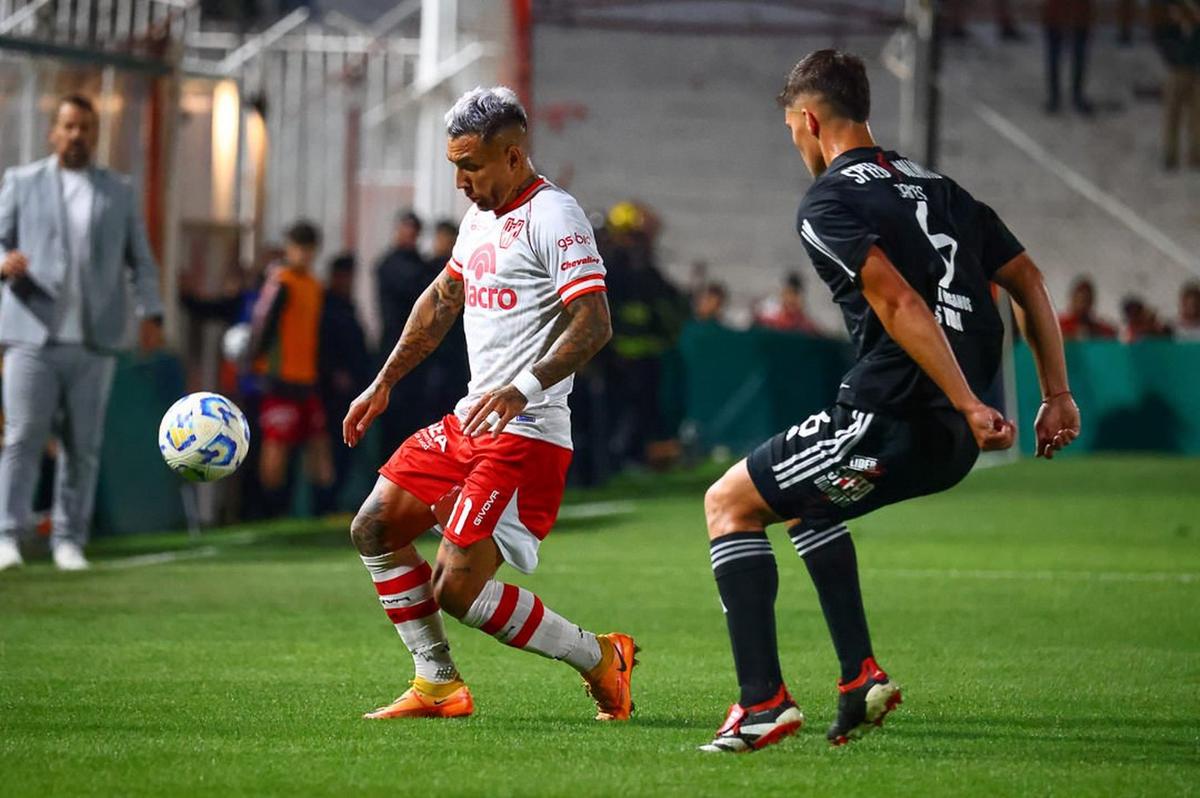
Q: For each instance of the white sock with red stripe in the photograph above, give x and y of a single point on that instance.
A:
(517, 617)
(406, 594)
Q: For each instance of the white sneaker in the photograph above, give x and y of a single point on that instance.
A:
(10, 555)
(69, 557)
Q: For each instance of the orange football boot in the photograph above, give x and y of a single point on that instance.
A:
(608, 683)
(427, 700)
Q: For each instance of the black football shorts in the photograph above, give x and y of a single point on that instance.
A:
(843, 462)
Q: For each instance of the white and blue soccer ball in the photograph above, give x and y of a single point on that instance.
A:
(204, 437)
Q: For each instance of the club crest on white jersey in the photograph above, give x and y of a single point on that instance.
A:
(521, 266)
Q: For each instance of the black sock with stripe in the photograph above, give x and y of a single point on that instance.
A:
(748, 582)
(833, 566)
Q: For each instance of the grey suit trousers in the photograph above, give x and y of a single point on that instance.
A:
(64, 383)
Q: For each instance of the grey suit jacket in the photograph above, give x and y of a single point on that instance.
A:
(33, 220)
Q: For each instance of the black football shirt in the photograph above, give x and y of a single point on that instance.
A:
(944, 242)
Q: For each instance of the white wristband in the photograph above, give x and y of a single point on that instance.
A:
(529, 386)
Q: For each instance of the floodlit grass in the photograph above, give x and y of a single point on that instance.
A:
(1044, 619)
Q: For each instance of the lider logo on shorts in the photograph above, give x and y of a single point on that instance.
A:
(487, 297)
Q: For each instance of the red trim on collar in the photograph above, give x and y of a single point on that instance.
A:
(522, 198)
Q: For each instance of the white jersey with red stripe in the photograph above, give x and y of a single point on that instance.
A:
(521, 266)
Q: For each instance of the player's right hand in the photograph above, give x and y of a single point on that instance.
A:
(363, 410)
(991, 429)
(15, 265)
(1057, 424)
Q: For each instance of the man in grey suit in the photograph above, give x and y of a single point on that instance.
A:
(70, 233)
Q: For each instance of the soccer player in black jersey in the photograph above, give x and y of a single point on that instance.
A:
(909, 257)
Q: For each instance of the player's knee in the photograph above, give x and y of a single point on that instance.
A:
(358, 530)
(454, 594)
(728, 508)
(718, 504)
(367, 532)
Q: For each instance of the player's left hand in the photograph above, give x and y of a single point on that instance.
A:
(150, 335)
(991, 429)
(505, 402)
(1057, 424)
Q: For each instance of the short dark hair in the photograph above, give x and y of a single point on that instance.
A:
(794, 281)
(303, 234)
(1131, 304)
(343, 263)
(409, 216)
(78, 100)
(840, 79)
(446, 226)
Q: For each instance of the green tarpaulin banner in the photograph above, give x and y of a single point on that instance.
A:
(742, 386)
(1143, 396)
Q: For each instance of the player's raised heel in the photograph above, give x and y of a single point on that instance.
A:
(752, 728)
(610, 683)
(427, 700)
(863, 703)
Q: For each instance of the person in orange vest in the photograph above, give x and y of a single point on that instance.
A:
(284, 344)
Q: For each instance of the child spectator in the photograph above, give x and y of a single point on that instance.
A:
(1139, 321)
(284, 346)
(785, 312)
(1187, 328)
(1080, 320)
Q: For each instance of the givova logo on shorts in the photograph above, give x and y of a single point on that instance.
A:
(462, 511)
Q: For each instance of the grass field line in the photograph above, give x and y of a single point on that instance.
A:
(161, 558)
(571, 512)
(1039, 575)
(199, 553)
(574, 512)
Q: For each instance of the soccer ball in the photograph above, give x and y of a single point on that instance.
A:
(204, 437)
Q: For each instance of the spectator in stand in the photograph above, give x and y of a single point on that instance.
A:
(1080, 320)
(1139, 321)
(284, 341)
(1126, 17)
(956, 20)
(648, 313)
(344, 366)
(237, 377)
(1187, 328)
(445, 233)
(710, 304)
(1067, 23)
(400, 278)
(441, 379)
(698, 280)
(786, 312)
(1176, 25)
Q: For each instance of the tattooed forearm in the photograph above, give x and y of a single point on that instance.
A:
(431, 318)
(588, 332)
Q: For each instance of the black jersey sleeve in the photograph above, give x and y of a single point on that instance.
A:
(834, 234)
(999, 244)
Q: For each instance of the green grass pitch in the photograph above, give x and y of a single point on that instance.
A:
(1044, 619)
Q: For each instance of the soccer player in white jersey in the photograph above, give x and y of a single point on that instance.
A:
(528, 278)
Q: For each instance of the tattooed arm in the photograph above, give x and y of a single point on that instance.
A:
(431, 318)
(586, 334)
